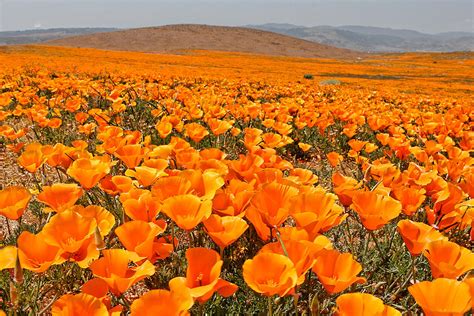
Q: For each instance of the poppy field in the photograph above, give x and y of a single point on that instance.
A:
(216, 183)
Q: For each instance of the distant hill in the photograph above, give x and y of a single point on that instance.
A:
(172, 38)
(376, 39)
(351, 37)
(38, 36)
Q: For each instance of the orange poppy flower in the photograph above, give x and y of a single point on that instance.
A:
(202, 275)
(302, 176)
(293, 233)
(382, 171)
(176, 301)
(32, 158)
(282, 128)
(218, 127)
(139, 236)
(300, 252)
(104, 219)
(60, 196)
(81, 117)
(79, 304)
(164, 128)
(68, 230)
(225, 230)
(273, 202)
(59, 155)
(447, 199)
(363, 304)
(150, 171)
(88, 172)
(270, 274)
(203, 184)
(370, 148)
(164, 246)
(171, 186)
(375, 210)
(111, 144)
(246, 166)
(467, 184)
(15, 147)
(13, 201)
(334, 159)
(80, 146)
(345, 188)
(442, 297)
(213, 165)
(235, 131)
(411, 198)
(254, 217)
(268, 175)
(8, 257)
(470, 283)
(357, 145)
(313, 245)
(187, 210)
(447, 259)
(139, 204)
(252, 137)
(99, 289)
(119, 269)
(273, 140)
(35, 254)
(337, 271)
(233, 199)
(316, 212)
(349, 130)
(114, 185)
(212, 153)
(195, 131)
(179, 144)
(88, 252)
(417, 235)
(187, 158)
(130, 154)
(55, 123)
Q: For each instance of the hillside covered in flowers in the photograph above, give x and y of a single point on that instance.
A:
(228, 183)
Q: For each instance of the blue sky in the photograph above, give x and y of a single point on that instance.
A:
(422, 15)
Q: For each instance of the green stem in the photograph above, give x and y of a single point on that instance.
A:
(295, 302)
(172, 236)
(125, 301)
(413, 269)
(270, 306)
(351, 244)
(191, 239)
(411, 274)
(281, 242)
(377, 245)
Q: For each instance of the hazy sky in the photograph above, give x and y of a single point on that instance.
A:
(423, 15)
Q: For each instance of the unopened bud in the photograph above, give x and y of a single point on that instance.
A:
(18, 271)
(99, 241)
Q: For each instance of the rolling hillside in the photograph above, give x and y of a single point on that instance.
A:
(173, 38)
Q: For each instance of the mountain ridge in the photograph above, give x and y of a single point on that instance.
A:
(377, 39)
(353, 37)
